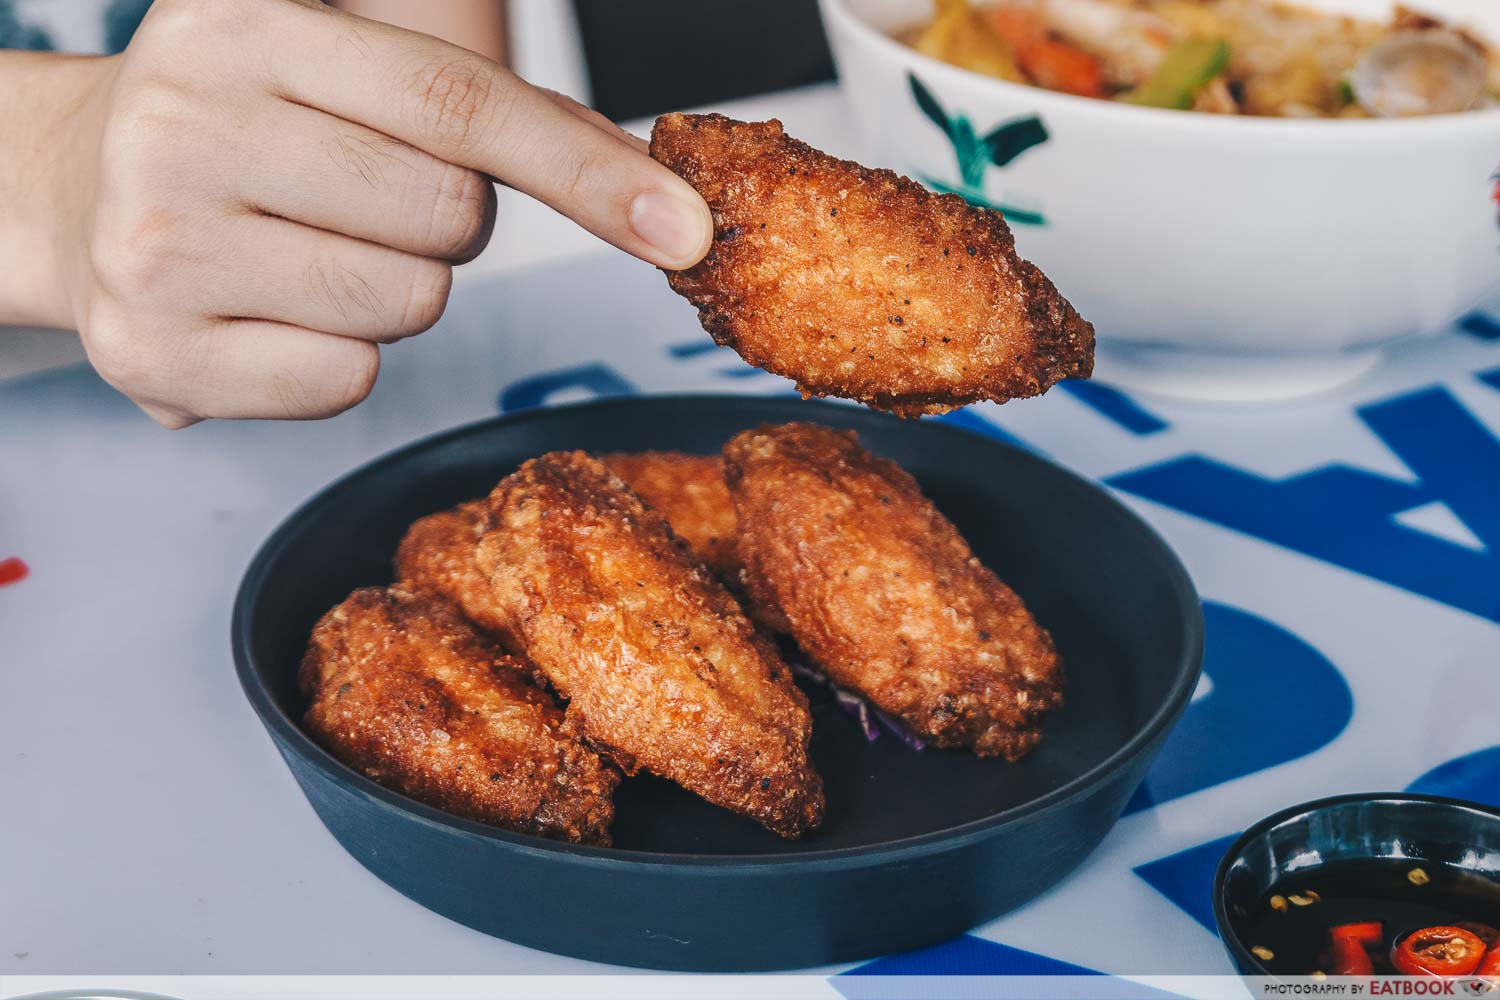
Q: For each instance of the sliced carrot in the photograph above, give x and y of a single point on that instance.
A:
(1017, 25)
(1049, 62)
(1059, 66)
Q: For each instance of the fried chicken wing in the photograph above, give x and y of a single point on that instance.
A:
(860, 283)
(405, 691)
(438, 553)
(843, 551)
(660, 666)
(689, 491)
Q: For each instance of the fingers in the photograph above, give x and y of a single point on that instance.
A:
(268, 318)
(241, 369)
(267, 268)
(290, 273)
(469, 111)
(595, 119)
(346, 178)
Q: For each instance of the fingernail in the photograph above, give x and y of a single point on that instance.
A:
(676, 228)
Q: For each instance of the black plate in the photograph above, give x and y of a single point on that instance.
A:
(916, 846)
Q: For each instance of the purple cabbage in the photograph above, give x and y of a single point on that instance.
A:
(870, 718)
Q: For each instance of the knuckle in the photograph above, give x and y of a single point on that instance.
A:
(150, 145)
(359, 376)
(459, 213)
(170, 20)
(134, 251)
(169, 417)
(192, 21)
(427, 296)
(173, 29)
(132, 362)
(454, 98)
(347, 378)
(115, 353)
(150, 113)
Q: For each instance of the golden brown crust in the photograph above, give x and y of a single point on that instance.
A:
(882, 592)
(860, 283)
(405, 691)
(660, 666)
(438, 553)
(689, 491)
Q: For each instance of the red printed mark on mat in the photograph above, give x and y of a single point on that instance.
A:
(13, 570)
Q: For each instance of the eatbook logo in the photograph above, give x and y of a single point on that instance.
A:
(977, 153)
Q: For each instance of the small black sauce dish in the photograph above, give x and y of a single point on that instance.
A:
(1406, 861)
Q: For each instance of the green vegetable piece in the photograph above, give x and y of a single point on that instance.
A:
(1188, 66)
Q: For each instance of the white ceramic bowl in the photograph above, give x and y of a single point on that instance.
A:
(1218, 257)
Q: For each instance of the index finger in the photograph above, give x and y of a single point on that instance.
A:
(472, 112)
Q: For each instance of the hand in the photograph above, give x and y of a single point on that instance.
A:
(259, 192)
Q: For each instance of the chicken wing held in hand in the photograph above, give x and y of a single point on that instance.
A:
(405, 691)
(842, 551)
(660, 666)
(860, 283)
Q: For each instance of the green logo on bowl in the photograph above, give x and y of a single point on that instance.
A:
(977, 153)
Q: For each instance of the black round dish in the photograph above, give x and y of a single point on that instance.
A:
(1361, 827)
(917, 846)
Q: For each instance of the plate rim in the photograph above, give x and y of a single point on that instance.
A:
(290, 736)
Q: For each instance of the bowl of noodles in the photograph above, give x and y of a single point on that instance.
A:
(1250, 199)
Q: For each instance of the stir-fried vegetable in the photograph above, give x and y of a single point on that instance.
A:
(1188, 67)
(1049, 62)
(958, 35)
(1260, 57)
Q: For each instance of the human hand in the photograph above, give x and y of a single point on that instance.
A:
(256, 194)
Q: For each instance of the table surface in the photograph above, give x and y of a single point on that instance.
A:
(1347, 548)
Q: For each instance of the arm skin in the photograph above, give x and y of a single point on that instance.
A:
(45, 91)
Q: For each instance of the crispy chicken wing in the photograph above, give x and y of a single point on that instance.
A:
(660, 666)
(859, 283)
(689, 491)
(843, 551)
(439, 554)
(405, 691)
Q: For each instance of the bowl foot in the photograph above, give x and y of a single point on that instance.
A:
(1227, 378)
